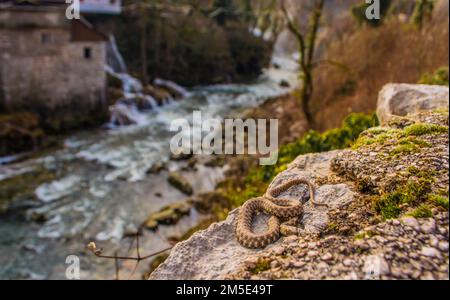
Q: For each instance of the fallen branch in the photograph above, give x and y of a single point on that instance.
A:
(138, 258)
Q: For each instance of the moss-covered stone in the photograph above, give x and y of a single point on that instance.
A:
(423, 129)
(180, 183)
(22, 186)
(423, 211)
(411, 195)
(439, 201)
(168, 215)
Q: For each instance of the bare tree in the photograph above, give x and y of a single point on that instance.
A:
(423, 10)
(306, 39)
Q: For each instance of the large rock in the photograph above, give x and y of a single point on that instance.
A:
(404, 99)
(214, 252)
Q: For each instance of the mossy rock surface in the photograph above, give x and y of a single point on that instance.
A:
(404, 167)
(168, 215)
(179, 182)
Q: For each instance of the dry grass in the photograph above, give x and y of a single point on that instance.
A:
(372, 57)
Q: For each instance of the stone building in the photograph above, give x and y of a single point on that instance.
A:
(48, 63)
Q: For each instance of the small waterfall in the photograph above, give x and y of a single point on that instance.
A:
(114, 58)
(129, 109)
(181, 91)
(126, 110)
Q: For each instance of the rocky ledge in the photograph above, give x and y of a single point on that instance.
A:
(387, 214)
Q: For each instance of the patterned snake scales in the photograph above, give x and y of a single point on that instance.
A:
(279, 209)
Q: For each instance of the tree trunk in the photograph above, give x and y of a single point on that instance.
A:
(143, 43)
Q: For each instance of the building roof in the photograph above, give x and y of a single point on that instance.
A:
(83, 31)
(86, 6)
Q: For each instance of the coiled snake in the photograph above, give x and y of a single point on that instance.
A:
(280, 210)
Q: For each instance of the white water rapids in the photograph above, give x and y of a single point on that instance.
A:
(103, 188)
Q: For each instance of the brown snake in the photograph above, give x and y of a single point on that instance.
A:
(280, 209)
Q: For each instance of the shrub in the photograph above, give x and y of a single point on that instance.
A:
(440, 77)
(259, 178)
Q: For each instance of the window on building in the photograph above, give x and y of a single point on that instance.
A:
(46, 38)
(87, 53)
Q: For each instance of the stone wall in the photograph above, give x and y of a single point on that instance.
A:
(43, 70)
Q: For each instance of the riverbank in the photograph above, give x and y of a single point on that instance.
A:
(103, 185)
(368, 230)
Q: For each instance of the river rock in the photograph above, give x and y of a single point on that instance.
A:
(161, 95)
(168, 215)
(174, 89)
(404, 99)
(181, 183)
(284, 83)
(214, 252)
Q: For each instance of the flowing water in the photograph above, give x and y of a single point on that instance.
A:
(101, 188)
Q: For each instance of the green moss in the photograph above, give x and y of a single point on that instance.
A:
(416, 141)
(332, 226)
(389, 205)
(364, 234)
(410, 195)
(422, 129)
(261, 266)
(22, 186)
(404, 149)
(377, 136)
(179, 182)
(423, 211)
(441, 111)
(363, 141)
(439, 201)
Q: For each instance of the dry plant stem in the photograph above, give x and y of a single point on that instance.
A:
(138, 257)
(133, 258)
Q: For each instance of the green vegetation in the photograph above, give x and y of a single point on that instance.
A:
(439, 201)
(404, 149)
(414, 194)
(422, 129)
(376, 136)
(364, 234)
(19, 132)
(408, 145)
(391, 205)
(189, 42)
(423, 10)
(440, 77)
(261, 266)
(22, 186)
(406, 140)
(258, 179)
(423, 211)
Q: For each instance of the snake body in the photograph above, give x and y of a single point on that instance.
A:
(280, 210)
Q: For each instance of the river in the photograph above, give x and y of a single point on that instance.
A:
(101, 188)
